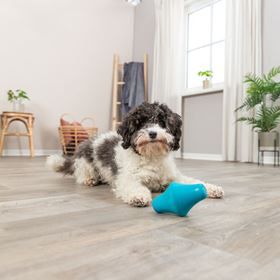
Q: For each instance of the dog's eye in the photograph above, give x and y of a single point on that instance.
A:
(162, 124)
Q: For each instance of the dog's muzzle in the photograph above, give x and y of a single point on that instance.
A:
(153, 142)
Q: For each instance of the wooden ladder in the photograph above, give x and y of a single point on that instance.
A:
(117, 86)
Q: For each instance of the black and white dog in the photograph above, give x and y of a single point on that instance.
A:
(136, 160)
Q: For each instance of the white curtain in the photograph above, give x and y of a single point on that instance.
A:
(168, 73)
(243, 54)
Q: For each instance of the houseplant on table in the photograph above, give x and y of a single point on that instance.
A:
(207, 75)
(262, 106)
(17, 98)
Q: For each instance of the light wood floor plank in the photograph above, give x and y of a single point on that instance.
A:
(51, 228)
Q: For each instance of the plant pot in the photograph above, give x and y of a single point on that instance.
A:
(268, 139)
(206, 84)
(18, 106)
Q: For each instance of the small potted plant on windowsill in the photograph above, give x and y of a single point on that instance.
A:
(17, 99)
(207, 75)
(261, 104)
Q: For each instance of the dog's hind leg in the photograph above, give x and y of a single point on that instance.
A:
(173, 174)
(212, 190)
(85, 172)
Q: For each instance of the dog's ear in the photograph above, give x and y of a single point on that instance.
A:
(124, 131)
(131, 123)
(174, 124)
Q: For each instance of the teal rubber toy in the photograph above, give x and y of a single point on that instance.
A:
(179, 198)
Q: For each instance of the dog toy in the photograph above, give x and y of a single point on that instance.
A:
(179, 198)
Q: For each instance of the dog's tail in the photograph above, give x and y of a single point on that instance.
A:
(61, 164)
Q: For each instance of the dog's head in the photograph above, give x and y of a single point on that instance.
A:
(151, 130)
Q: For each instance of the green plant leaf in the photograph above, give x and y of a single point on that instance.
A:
(262, 95)
(273, 73)
(266, 119)
(206, 73)
(20, 94)
(11, 96)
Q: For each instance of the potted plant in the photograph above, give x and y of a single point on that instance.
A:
(261, 104)
(16, 98)
(207, 75)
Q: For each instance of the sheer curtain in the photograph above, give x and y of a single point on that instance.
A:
(168, 73)
(243, 54)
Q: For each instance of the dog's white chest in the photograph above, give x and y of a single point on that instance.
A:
(152, 172)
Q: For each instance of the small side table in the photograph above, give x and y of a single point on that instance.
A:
(26, 118)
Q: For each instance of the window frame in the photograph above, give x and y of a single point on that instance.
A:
(192, 6)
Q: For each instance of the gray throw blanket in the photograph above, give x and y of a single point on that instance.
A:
(133, 89)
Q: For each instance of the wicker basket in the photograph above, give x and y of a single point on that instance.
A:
(73, 133)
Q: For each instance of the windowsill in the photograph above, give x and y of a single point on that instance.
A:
(201, 91)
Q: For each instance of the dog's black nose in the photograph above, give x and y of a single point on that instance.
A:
(152, 134)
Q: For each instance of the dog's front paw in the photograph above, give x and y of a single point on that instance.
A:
(141, 199)
(139, 202)
(90, 182)
(214, 191)
(162, 188)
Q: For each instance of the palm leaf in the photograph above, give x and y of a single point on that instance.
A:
(251, 101)
(247, 119)
(272, 73)
(260, 92)
(266, 119)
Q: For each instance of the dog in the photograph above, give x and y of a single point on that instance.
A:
(136, 160)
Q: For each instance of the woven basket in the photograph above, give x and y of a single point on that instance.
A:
(73, 133)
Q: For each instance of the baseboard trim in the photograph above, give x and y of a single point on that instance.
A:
(215, 157)
(26, 152)
(268, 160)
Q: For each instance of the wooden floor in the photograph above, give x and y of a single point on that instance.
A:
(51, 228)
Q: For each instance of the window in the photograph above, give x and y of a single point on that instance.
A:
(205, 42)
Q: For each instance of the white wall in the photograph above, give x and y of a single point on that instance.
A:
(271, 39)
(210, 105)
(60, 52)
(271, 57)
(144, 31)
(203, 125)
(213, 107)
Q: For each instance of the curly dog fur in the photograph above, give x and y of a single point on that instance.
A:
(136, 160)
